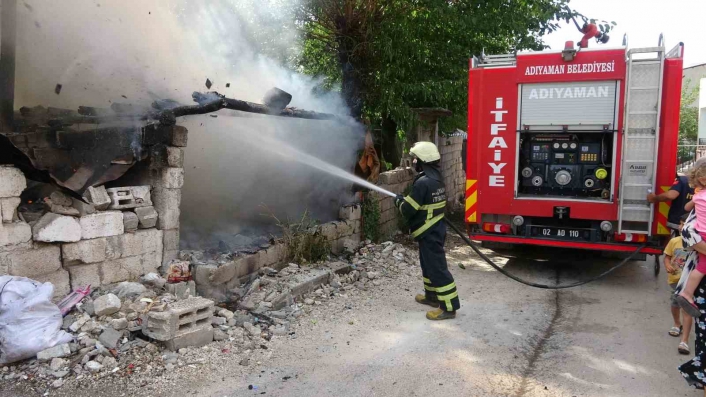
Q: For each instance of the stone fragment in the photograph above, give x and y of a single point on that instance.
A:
(64, 210)
(102, 224)
(196, 337)
(129, 197)
(93, 367)
(59, 198)
(225, 313)
(98, 197)
(119, 324)
(12, 181)
(58, 351)
(106, 305)
(57, 363)
(39, 260)
(219, 335)
(147, 217)
(9, 208)
(15, 233)
(110, 338)
(130, 221)
(109, 363)
(57, 383)
(52, 228)
(83, 208)
(218, 320)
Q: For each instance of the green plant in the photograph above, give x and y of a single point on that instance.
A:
(371, 218)
(304, 241)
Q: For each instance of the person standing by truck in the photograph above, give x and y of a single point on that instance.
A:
(679, 194)
(424, 210)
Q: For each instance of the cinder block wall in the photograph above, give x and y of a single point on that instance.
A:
(106, 252)
(452, 169)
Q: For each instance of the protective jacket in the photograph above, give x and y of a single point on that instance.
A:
(424, 206)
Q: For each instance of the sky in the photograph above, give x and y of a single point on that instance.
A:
(643, 21)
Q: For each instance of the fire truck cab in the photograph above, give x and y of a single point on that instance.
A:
(564, 146)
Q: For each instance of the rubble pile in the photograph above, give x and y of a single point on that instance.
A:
(140, 333)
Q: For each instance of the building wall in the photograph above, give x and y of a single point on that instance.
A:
(99, 246)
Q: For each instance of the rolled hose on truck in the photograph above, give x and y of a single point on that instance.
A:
(536, 285)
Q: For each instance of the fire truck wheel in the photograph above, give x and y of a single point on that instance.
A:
(657, 265)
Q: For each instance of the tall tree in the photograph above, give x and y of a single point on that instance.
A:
(389, 56)
(689, 115)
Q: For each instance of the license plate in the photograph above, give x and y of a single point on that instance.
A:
(561, 232)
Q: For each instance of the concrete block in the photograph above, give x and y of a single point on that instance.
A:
(59, 351)
(197, 337)
(83, 208)
(102, 224)
(12, 181)
(52, 228)
(8, 206)
(125, 269)
(15, 233)
(106, 305)
(129, 197)
(178, 319)
(167, 203)
(182, 290)
(178, 136)
(170, 178)
(60, 280)
(151, 262)
(84, 252)
(202, 273)
(98, 197)
(85, 275)
(175, 157)
(36, 261)
(130, 221)
(133, 244)
(147, 217)
(239, 267)
(350, 212)
(171, 239)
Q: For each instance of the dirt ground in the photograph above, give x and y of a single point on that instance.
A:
(607, 338)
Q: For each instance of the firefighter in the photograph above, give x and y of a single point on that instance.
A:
(424, 210)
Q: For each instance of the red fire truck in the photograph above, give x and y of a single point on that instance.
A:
(564, 146)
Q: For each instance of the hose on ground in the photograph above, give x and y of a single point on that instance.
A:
(529, 283)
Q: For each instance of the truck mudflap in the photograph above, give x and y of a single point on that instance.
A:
(609, 247)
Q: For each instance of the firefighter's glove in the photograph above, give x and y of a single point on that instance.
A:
(399, 199)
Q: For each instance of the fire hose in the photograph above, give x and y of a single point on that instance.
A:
(529, 283)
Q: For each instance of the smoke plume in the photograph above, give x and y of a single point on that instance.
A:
(132, 51)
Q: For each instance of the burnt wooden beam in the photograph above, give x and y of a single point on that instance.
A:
(250, 107)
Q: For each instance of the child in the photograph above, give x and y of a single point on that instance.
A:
(674, 260)
(697, 177)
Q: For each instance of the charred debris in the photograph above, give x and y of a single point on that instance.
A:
(102, 144)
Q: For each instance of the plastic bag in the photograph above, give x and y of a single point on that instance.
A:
(29, 321)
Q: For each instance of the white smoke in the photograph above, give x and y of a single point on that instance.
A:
(133, 51)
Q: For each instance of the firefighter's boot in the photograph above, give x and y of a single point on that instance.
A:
(439, 314)
(420, 298)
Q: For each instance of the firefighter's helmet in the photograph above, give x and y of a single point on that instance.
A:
(425, 152)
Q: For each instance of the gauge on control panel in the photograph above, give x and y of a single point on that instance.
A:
(573, 145)
(556, 145)
(564, 145)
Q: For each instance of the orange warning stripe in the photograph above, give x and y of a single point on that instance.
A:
(662, 214)
(471, 200)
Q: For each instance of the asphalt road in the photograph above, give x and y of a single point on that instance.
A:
(608, 338)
